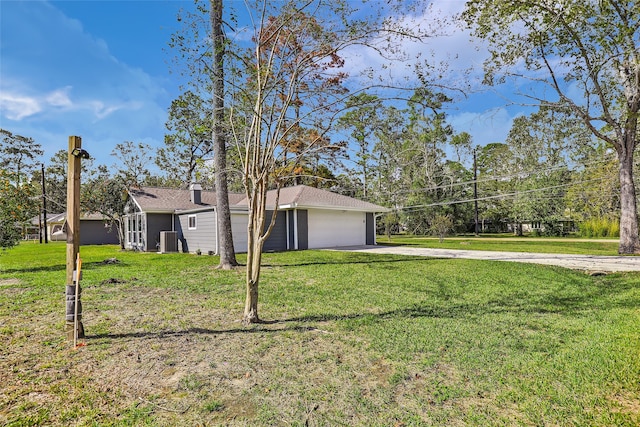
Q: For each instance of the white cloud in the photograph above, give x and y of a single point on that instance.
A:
(101, 110)
(20, 106)
(446, 53)
(60, 80)
(17, 107)
(59, 97)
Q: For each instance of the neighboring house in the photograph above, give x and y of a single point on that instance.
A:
(307, 218)
(563, 226)
(93, 229)
(54, 226)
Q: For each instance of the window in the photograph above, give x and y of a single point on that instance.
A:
(192, 222)
(135, 226)
(134, 230)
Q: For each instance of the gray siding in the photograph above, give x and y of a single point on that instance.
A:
(303, 229)
(203, 237)
(277, 240)
(370, 229)
(95, 233)
(155, 224)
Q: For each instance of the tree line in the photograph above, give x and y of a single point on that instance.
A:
(549, 171)
(279, 102)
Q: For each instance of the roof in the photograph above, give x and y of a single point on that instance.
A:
(169, 200)
(51, 217)
(303, 196)
(157, 199)
(61, 217)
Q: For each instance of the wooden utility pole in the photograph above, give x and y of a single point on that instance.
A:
(40, 226)
(475, 191)
(73, 240)
(44, 208)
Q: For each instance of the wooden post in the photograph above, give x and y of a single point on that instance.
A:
(44, 207)
(475, 191)
(76, 318)
(73, 240)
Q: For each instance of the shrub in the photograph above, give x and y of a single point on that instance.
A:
(441, 225)
(600, 227)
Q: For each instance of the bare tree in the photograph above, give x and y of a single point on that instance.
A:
(292, 54)
(283, 88)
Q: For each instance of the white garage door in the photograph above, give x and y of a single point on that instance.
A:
(328, 229)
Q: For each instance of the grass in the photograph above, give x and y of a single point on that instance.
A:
(510, 243)
(353, 339)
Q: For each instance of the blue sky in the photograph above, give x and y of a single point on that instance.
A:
(99, 69)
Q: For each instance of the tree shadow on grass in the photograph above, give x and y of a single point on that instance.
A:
(582, 298)
(99, 264)
(36, 269)
(569, 306)
(369, 260)
(256, 328)
(59, 267)
(305, 323)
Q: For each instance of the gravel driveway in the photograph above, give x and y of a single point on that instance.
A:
(588, 263)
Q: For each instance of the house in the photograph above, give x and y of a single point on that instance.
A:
(55, 221)
(307, 218)
(189, 213)
(93, 229)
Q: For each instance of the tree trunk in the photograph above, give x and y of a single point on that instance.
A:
(253, 280)
(225, 237)
(120, 230)
(517, 229)
(254, 257)
(251, 305)
(629, 241)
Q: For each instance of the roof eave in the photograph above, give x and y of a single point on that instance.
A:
(338, 208)
(194, 210)
(157, 211)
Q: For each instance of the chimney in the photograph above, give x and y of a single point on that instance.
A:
(196, 193)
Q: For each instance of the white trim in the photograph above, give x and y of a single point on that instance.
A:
(286, 225)
(329, 208)
(136, 202)
(195, 222)
(375, 229)
(217, 227)
(295, 229)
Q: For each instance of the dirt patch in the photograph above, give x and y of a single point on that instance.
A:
(9, 282)
(627, 403)
(11, 287)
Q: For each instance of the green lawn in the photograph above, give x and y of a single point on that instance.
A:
(510, 243)
(352, 339)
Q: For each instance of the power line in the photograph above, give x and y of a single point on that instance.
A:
(497, 196)
(491, 178)
(55, 202)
